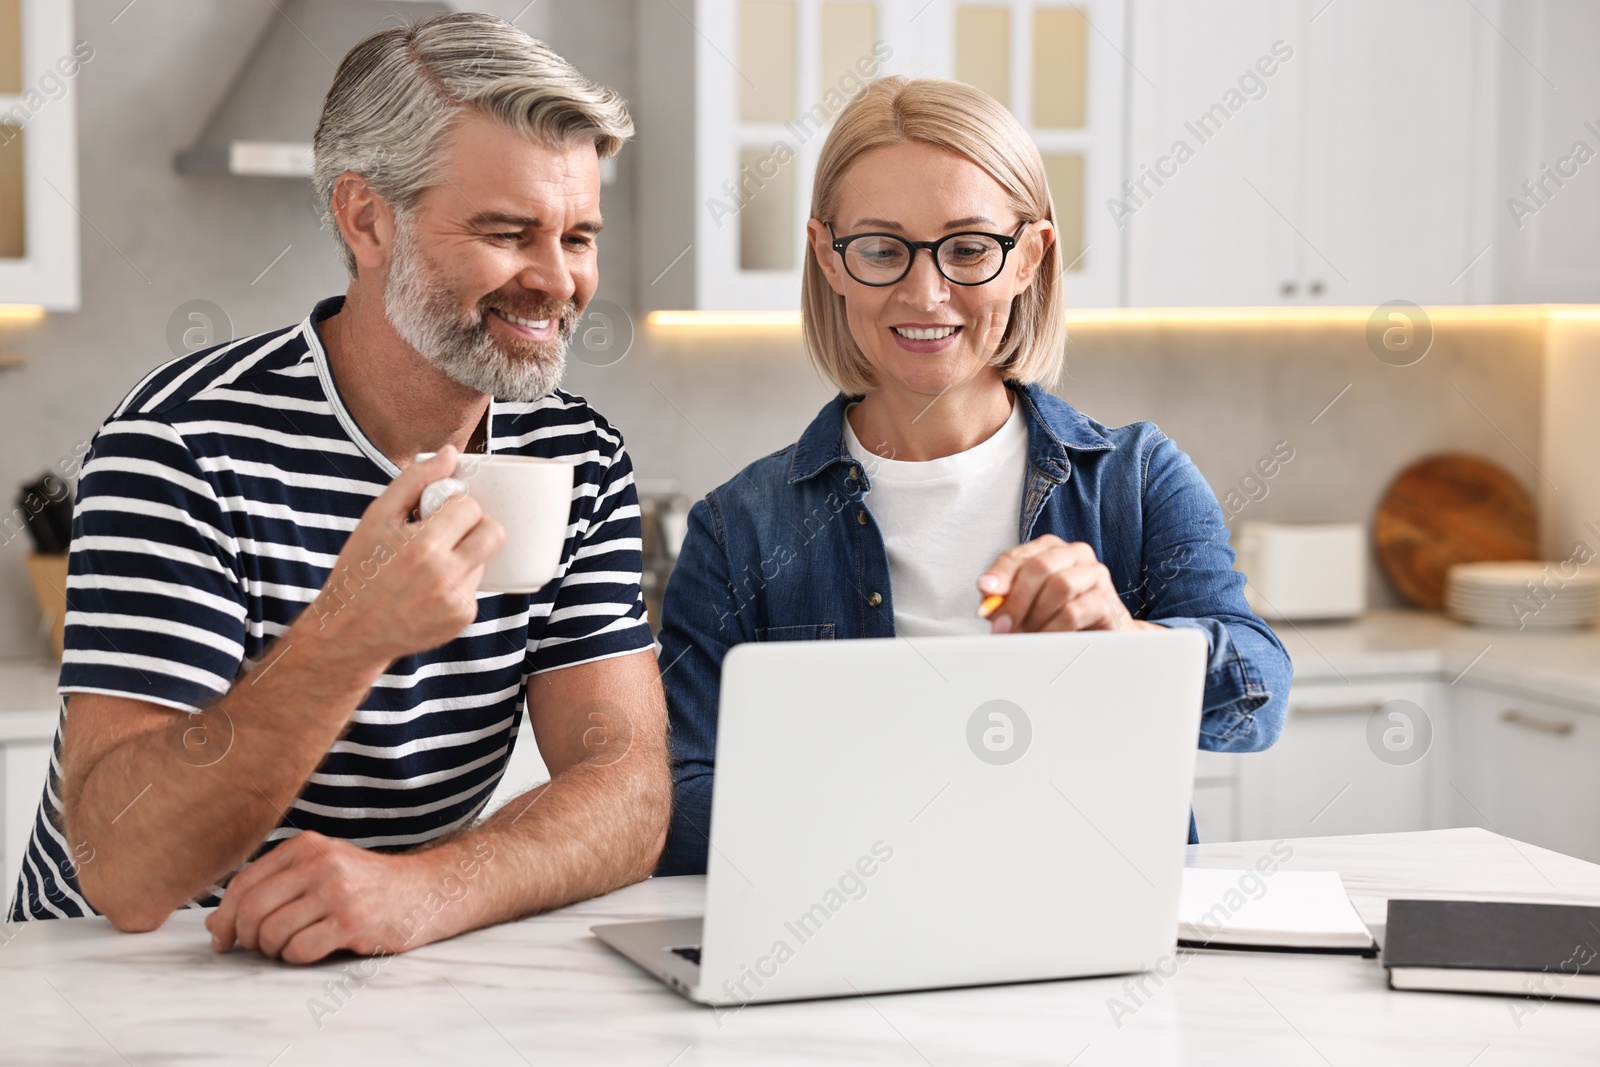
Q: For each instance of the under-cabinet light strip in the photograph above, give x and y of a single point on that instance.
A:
(1221, 316)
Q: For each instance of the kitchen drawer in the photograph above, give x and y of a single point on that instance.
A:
(1216, 795)
(1526, 768)
(1216, 811)
(24, 766)
(1324, 776)
(1211, 767)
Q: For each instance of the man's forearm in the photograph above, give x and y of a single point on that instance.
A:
(588, 831)
(171, 811)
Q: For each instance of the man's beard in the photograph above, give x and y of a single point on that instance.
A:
(427, 316)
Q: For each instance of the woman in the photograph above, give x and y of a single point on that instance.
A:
(944, 473)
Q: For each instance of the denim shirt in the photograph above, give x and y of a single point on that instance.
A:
(789, 550)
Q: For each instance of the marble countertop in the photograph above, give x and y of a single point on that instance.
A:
(544, 990)
(1562, 665)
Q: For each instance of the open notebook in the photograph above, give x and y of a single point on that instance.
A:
(1286, 911)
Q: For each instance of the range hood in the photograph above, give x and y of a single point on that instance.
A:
(264, 123)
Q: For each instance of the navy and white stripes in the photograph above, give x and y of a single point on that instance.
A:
(212, 507)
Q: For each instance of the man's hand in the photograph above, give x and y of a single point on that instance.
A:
(598, 824)
(1051, 584)
(313, 895)
(401, 587)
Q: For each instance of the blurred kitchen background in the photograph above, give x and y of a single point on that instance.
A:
(1377, 242)
(1377, 161)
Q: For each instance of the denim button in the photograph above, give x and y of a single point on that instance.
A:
(861, 516)
(855, 472)
(875, 599)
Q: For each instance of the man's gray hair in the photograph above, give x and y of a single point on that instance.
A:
(397, 93)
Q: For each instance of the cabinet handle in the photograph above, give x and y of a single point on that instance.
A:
(1366, 708)
(1515, 717)
(1287, 288)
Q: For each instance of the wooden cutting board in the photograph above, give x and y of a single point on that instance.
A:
(1449, 509)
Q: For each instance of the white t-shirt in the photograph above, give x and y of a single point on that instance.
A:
(944, 521)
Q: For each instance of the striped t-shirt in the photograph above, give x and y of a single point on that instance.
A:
(212, 506)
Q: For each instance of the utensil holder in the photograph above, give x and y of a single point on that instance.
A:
(49, 577)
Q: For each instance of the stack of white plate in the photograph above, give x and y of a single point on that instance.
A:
(1524, 595)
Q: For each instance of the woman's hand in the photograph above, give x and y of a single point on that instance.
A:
(1051, 584)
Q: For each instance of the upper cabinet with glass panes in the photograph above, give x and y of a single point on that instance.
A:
(735, 98)
(39, 65)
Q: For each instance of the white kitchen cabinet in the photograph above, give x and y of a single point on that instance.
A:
(1324, 776)
(1528, 769)
(1206, 182)
(1400, 110)
(24, 766)
(39, 65)
(29, 709)
(1216, 796)
(1546, 194)
(1309, 153)
(736, 97)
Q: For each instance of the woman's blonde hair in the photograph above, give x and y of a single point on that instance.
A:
(971, 123)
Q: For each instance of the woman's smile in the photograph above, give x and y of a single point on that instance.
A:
(925, 336)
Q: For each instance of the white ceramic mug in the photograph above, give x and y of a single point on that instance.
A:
(530, 496)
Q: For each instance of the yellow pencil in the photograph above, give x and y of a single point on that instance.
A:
(990, 604)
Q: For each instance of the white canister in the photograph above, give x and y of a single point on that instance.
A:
(1303, 570)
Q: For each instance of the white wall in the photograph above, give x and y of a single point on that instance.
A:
(1570, 504)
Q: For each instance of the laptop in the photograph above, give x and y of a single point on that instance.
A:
(918, 813)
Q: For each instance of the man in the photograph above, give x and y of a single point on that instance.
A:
(268, 660)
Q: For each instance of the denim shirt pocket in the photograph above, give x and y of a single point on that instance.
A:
(820, 632)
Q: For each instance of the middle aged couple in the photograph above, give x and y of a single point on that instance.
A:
(237, 728)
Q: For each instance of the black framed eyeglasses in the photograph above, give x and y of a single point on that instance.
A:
(967, 258)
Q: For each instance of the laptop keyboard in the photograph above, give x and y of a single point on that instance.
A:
(690, 953)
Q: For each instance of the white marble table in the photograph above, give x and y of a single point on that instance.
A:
(543, 991)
